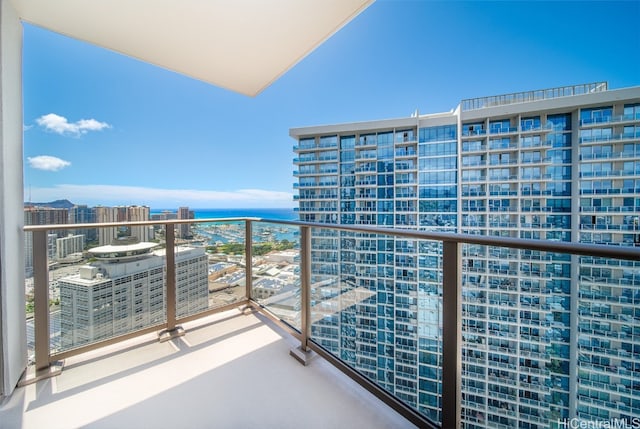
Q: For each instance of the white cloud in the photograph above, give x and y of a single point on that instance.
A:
(47, 163)
(163, 198)
(60, 125)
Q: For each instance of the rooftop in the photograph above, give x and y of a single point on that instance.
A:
(141, 247)
(540, 94)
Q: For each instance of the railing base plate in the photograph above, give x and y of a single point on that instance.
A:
(32, 376)
(167, 335)
(302, 356)
(247, 309)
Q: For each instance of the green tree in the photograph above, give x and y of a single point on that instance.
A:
(231, 248)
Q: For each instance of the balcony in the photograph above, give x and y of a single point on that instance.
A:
(229, 370)
(609, 120)
(597, 138)
(198, 357)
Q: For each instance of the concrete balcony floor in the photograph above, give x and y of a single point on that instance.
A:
(231, 370)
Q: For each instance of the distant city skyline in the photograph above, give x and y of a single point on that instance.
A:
(102, 128)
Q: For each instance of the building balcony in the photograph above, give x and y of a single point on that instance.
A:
(229, 370)
(505, 130)
(593, 122)
(609, 137)
(406, 152)
(473, 133)
(203, 356)
(312, 146)
(536, 128)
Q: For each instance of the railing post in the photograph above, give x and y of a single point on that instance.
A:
(302, 354)
(41, 299)
(248, 253)
(171, 331)
(451, 334)
(43, 367)
(305, 286)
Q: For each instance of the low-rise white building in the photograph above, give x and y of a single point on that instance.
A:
(288, 256)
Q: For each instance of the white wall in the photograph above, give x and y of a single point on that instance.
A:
(13, 353)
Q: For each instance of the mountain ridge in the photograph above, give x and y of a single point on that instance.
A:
(57, 204)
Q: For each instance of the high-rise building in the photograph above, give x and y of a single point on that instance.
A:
(546, 337)
(106, 215)
(124, 290)
(122, 214)
(42, 216)
(138, 214)
(45, 216)
(84, 214)
(184, 230)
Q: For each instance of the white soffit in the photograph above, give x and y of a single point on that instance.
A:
(241, 45)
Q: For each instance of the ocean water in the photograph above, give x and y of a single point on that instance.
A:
(274, 213)
(277, 214)
(262, 231)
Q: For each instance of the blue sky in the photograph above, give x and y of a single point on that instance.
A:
(101, 128)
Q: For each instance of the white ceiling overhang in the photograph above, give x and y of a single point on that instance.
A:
(240, 45)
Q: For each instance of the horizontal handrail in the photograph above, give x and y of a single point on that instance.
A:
(599, 250)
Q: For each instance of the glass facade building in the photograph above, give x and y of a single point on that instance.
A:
(547, 337)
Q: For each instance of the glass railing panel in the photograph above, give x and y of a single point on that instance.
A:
(429, 325)
(276, 270)
(376, 305)
(192, 268)
(102, 283)
(223, 245)
(324, 286)
(608, 325)
(518, 355)
(516, 345)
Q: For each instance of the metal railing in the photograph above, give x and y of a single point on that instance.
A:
(452, 269)
(542, 94)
